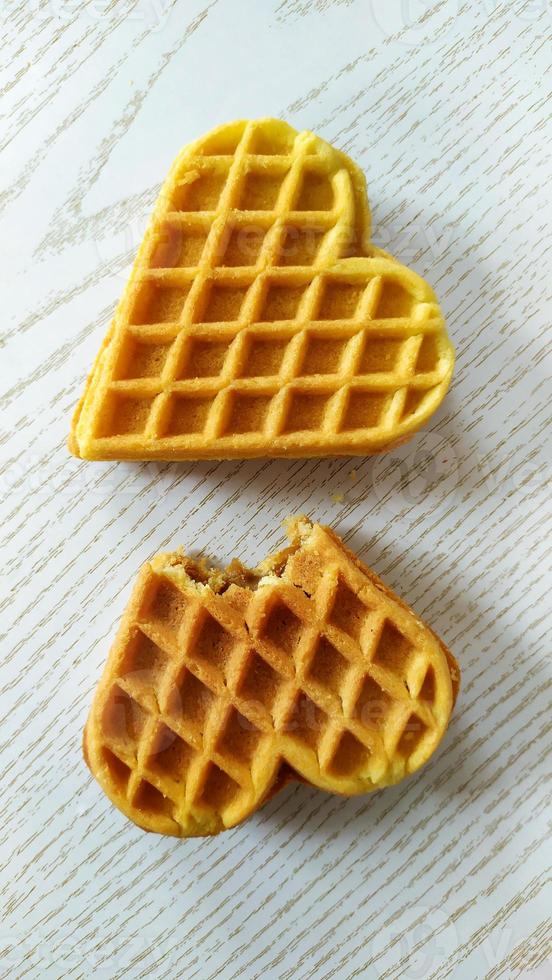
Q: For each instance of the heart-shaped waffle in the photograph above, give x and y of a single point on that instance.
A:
(259, 320)
(221, 686)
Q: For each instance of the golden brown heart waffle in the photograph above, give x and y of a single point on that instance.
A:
(259, 320)
(222, 685)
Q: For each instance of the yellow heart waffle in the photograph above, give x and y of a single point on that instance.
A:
(259, 320)
(223, 685)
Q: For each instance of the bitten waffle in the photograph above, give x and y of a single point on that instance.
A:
(259, 320)
(221, 686)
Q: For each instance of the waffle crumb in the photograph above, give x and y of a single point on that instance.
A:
(224, 684)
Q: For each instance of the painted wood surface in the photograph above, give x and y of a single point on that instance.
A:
(444, 105)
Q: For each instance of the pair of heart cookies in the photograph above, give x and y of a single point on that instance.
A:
(259, 320)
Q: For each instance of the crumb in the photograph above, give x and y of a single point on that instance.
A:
(337, 498)
(353, 475)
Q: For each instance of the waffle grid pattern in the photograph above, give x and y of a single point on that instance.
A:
(210, 693)
(247, 329)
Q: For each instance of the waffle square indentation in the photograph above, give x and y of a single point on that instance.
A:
(281, 302)
(144, 662)
(124, 414)
(170, 756)
(300, 245)
(315, 192)
(393, 650)
(328, 667)
(239, 738)
(188, 414)
(379, 355)
(242, 246)
(428, 354)
(412, 735)
(158, 302)
(394, 301)
(118, 770)
(178, 247)
(306, 721)
(339, 300)
(141, 359)
(260, 191)
(306, 412)
(350, 756)
(223, 303)
(123, 719)
(213, 643)
(364, 410)
(202, 192)
(167, 606)
(282, 627)
(190, 701)
(348, 612)
(271, 143)
(263, 358)
(428, 688)
(248, 413)
(219, 789)
(413, 402)
(372, 704)
(204, 358)
(323, 356)
(259, 681)
(150, 800)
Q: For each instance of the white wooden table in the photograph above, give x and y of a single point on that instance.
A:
(444, 106)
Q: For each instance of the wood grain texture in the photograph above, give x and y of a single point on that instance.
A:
(445, 106)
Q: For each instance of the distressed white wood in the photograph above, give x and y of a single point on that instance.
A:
(444, 104)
